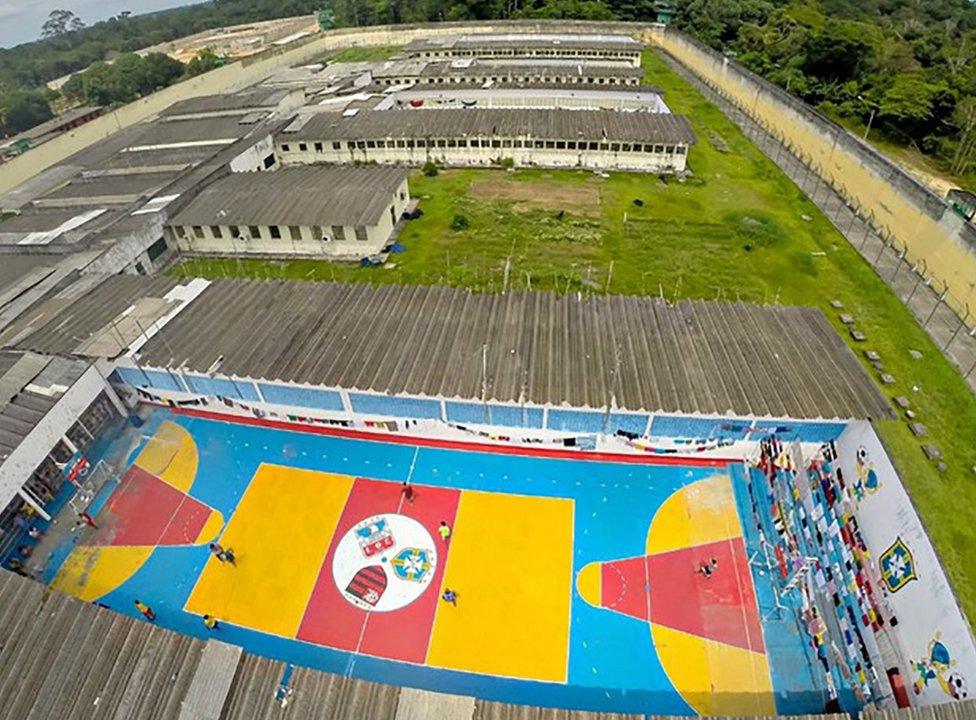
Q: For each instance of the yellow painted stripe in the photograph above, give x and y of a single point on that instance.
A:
(715, 678)
(280, 533)
(589, 584)
(91, 572)
(699, 513)
(510, 563)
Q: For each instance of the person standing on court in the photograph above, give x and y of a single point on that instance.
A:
(444, 531)
(210, 622)
(147, 612)
(222, 555)
(406, 491)
(449, 596)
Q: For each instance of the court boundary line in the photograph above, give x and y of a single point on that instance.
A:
(464, 445)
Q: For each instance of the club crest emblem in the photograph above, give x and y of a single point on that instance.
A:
(411, 564)
(897, 566)
(374, 536)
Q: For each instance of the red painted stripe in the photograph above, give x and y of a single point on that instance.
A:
(559, 454)
(402, 634)
(624, 587)
(144, 510)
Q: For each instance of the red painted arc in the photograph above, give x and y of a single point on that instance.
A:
(553, 453)
(145, 510)
(667, 589)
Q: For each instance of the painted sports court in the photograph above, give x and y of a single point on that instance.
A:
(578, 580)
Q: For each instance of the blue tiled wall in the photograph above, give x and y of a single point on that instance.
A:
(803, 431)
(395, 406)
(576, 420)
(241, 389)
(673, 426)
(302, 397)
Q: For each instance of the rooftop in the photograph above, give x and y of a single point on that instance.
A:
(30, 385)
(536, 69)
(316, 195)
(194, 130)
(552, 350)
(240, 101)
(93, 190)
(51, 126)
(488, 122)
(530, 41)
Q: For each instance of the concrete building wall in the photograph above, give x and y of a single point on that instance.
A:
(898, 206)
(659, 159)
(631, 58)
(344, 241)
(512, 75)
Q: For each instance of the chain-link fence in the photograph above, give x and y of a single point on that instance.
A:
(906, 276)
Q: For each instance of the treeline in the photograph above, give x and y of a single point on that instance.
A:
(904, 68)
(36, 63)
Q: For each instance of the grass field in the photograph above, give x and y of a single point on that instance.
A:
(738, 230)
(365, 53)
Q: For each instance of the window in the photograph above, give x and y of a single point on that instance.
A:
(361, 234)
(614, 147)
(495, 143)
(215, 231)
(284, 147)
(318, 147)
(269, 161)
(255, 232)
(560, 144)
(296, 232)
(403, 195)
(234, 232)
(302, 147)
(338, 232)
(371, 143)
(198, 232)
(337, 146)
(275, 232)
(681, 149)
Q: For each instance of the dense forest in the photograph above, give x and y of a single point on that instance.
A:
(69, 47)
(905, 70)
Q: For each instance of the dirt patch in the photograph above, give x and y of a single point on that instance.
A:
(581, 199)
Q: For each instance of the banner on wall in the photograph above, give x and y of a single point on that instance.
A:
(932, 636)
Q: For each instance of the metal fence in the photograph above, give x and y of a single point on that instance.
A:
(922, 294)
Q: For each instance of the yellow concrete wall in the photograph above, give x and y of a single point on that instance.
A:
(915, 219)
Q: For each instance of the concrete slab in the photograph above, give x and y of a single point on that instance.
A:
(423, 705)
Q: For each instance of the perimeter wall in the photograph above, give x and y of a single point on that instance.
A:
(900, 208)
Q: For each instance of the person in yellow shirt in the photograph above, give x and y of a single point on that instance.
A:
(445, 531)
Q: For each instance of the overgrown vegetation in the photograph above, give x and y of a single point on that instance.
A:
(688, 240)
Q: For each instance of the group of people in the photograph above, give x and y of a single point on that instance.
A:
(444, 530)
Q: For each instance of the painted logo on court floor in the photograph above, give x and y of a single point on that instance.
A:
(384, 563)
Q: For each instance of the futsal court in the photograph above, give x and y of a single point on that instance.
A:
(579, 582)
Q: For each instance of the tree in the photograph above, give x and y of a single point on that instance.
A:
(841, 50)
(580, 9)
(23, 109)
(60, 22)
(205, 61)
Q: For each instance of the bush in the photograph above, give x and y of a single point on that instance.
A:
(460, 222)
(506, 163)
(430, 168)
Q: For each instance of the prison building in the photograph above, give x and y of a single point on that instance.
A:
(261, 101)
(589, 47)
(486, 73)
(524, 97)
(316, 211)
(596, 139)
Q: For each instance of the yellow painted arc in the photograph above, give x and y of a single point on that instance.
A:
(211, 528)
(715, 678)
(700, 513)
(589, 583)
(93, 571)
(171, 455)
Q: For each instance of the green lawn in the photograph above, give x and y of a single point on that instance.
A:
(739, 229)
(365, 53)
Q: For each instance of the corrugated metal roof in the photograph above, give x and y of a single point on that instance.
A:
(100, 186)
(59, 325)
(315, 195)
(696, 356)
(554, 124)
(164, 132)
(253, 99)
(502, 71)
(527, 41)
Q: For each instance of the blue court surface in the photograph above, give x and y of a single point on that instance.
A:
(578, 582)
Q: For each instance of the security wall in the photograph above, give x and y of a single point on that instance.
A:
(897, 205)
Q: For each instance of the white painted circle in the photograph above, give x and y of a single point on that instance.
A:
(384, 562)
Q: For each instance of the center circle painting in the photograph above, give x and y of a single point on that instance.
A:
(384, 563)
